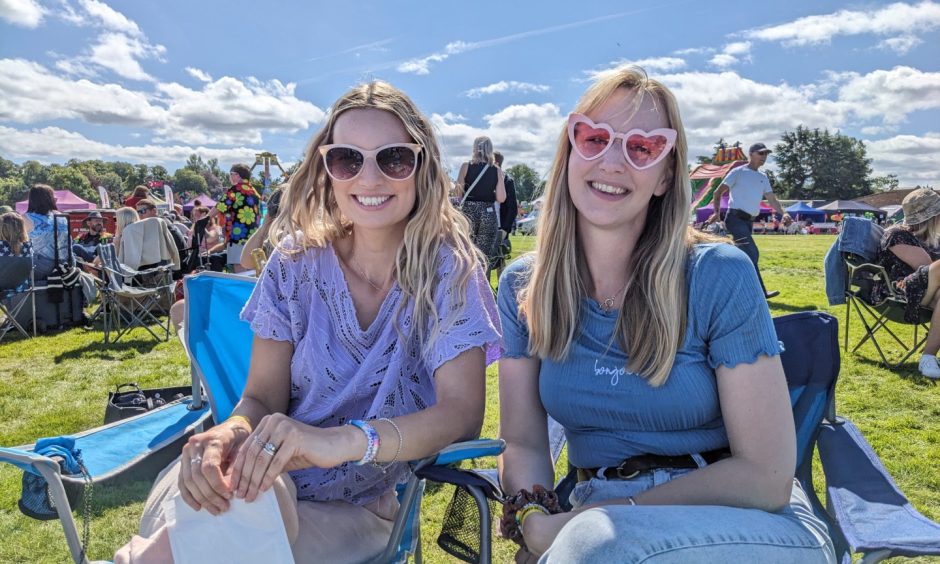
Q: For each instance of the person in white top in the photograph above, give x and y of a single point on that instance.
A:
(747, 186)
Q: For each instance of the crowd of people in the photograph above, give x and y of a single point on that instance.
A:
(374, 322)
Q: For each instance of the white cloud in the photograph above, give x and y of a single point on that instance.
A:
(30, 93)
(506, 86)
(24, 13)
(732, 54)
(694, 51)
(901, 44)
(898, 19)
(888, 95)
(109, 18)
(229, 111)
(54, 144)
(916, 160)
(525, 133)
(226, 111)
(198, 74)
(422, 65)
(121, 53)
(653, 64)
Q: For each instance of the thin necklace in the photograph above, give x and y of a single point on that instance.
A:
(362, 271)
(608, 304)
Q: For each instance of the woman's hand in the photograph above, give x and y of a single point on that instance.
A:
(204, 464)
(281, 444)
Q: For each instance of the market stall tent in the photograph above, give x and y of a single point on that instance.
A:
(65, 200)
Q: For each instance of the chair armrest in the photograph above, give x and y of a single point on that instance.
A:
(868, 507)
(26, 460)
(469, 449)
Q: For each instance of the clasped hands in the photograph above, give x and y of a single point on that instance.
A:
(228, 461)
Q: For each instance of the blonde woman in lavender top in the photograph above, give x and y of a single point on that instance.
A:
(373, 308)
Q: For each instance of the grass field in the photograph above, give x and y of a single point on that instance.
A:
(57, 384)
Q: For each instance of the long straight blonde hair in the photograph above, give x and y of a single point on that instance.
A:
(652, 320)
(309, 213)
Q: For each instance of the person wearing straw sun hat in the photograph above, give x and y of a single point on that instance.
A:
(910, 254)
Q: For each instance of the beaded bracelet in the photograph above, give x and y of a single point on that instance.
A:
(373, 441)
(529, 509)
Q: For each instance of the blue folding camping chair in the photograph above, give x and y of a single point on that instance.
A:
(215, 340)
(136, 448)
(865, 511)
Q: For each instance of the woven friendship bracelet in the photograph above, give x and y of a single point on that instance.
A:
(373, 441)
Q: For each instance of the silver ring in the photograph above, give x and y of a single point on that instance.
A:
(195, 460)
(257, 440)
(269, 449)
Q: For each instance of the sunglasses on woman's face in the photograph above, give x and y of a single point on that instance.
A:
(396, 161)
(144, 210)
(642, 149)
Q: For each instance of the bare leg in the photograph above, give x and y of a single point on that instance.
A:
(931, 299)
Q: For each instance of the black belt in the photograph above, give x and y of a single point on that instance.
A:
(633, 466)
(741, 214)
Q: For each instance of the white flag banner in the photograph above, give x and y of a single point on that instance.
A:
(103, 196)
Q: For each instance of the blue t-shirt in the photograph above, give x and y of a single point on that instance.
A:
(610, 414)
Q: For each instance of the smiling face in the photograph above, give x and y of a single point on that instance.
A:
(608, 192)
(372, 200)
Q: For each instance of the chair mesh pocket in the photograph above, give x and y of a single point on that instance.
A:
(460, 531)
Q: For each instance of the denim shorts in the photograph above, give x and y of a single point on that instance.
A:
(685, 533)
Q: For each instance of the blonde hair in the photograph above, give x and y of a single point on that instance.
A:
(13, 231)
(652, 320)
(125, 216)
(928, 231)
(482, 151)
(309, 213)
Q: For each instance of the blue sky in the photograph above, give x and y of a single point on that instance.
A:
(153, 81)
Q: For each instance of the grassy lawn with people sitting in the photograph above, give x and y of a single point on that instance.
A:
(58, 384)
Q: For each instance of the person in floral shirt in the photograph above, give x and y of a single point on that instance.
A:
(241, 208)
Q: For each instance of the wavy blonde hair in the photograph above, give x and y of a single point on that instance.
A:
(482, 151)
(309, 212)
(124, 217)
(656, 294)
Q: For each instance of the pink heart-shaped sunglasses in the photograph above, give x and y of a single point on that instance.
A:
(642, 149)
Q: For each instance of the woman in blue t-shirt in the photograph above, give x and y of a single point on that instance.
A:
(654, 348)
(42, 232)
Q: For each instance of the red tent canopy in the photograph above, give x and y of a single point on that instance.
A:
(64, 200)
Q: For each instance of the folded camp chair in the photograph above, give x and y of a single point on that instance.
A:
(215, 340)
(124, 306)
(15, 274)
(866, 513)
(876, 316)
(137, 448)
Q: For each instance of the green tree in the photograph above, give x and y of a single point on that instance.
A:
(12, 190)
(885, 183)
(814, 164)
(527, 182)
(8, 169)
(33, 172)
(72, 178)
(187, 180)
(158, 172)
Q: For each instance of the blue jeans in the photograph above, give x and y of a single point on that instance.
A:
(741, 231)
(680, 534)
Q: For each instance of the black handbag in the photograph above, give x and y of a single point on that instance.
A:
(129, 400)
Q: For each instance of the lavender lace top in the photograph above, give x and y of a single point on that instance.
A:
(341, 372)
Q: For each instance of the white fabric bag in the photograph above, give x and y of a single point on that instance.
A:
(247, 532)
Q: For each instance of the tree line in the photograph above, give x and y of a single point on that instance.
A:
(117, 177)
